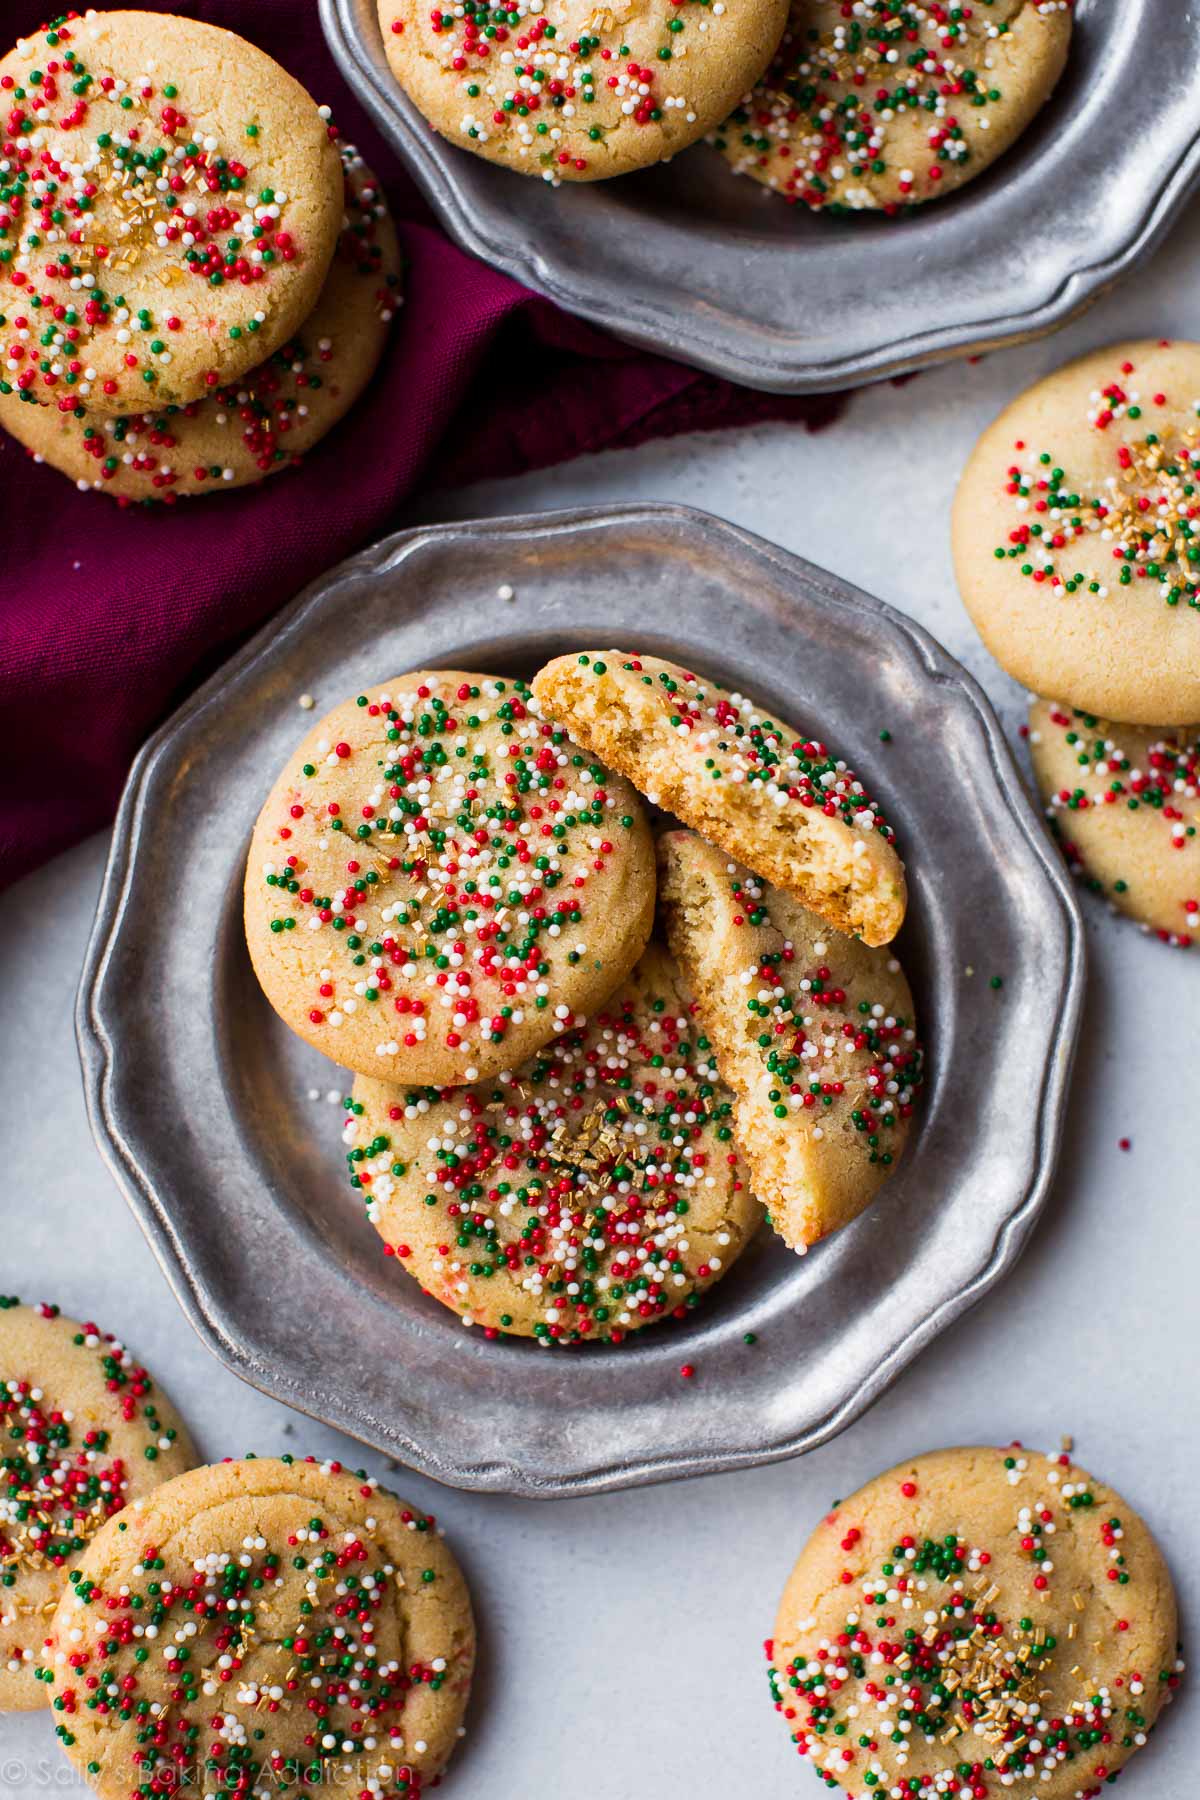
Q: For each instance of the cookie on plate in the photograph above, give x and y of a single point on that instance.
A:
(85, 1430)
(1124, 802)
(584, 95)
(780, 802)
(975, 1621)
(269, 418)
(592, 1191)
(886, 104)
(811, 1029)
(1076, 534)
(440, 881)
(307, 1627)
(169, 216)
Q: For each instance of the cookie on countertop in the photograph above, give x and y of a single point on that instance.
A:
(1076, 534)
(575, 92)
(85, 1430)
(440, 882)
(811, 1029)
(780, 802)
(268, 419)
(592, 1191)
(975, 1621)
(307, 1627)
(168, 216)
(887, 103)
(1124, 802)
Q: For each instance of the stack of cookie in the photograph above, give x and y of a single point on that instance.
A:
(1077, 547)
(195, 280)
(135, 1588)
(880, 105)
(566, 1120)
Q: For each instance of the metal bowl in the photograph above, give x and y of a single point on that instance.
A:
(710, 268)
(198, 1095)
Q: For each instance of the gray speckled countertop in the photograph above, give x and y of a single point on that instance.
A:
(621, 1636)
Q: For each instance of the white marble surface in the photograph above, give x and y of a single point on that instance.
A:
(621, 1637)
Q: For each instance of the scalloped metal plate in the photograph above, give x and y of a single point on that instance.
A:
(709, 268)
(198, 1095)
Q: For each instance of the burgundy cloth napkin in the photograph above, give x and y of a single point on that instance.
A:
(108, 616)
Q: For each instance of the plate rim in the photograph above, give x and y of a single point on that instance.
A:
(728, 354)
(215, 1322)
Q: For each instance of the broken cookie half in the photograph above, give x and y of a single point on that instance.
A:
(812, 1030)
(785, 805)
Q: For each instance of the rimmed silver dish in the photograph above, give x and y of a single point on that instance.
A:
(200, 1097)
(708, 267)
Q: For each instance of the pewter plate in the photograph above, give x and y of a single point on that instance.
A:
(199, 1096)
(710, 268)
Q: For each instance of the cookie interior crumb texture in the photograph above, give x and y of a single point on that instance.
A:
(812, 1030)
(783, 804)
(85, 1431)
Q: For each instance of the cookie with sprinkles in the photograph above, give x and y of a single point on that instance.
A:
(811, 1029)
(976, 1622)
(1076, 534)
(883, 105)
(782, 803)
(264, 1626)
(264, 422)
(1124, 803)
(169, 205)
(85, 1432)
(441, 882)
(590, 1192)
(577, 92)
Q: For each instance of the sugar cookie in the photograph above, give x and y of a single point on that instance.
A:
(886, 104)
(591, 1192)
(978, 1621)
(85, 1430)
(169, 213)
(268, 419)
(573, 92)
(260, 1626)
(440, 882)
(781, 803)
(1124, 802)
(812, 1030)
(1076, 540)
